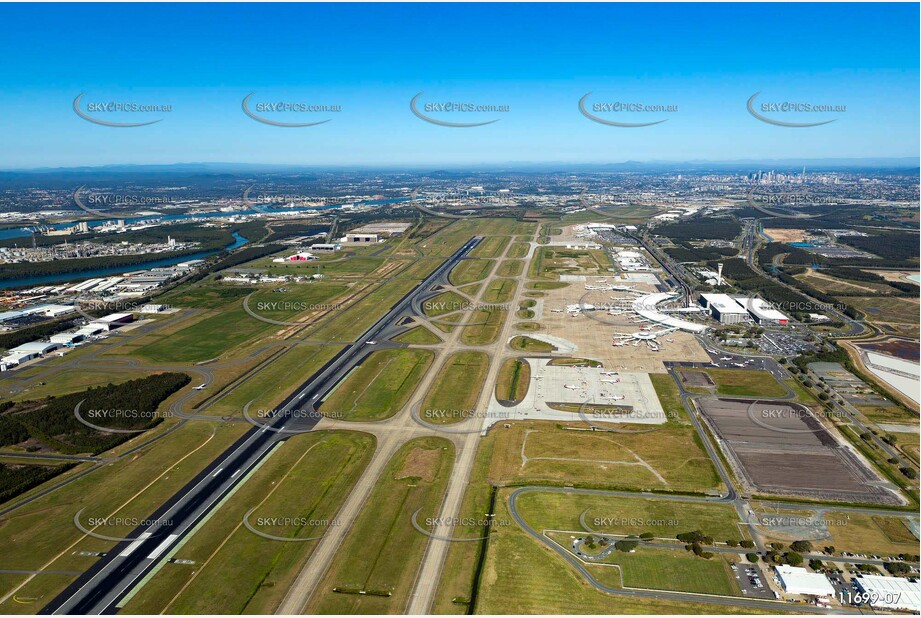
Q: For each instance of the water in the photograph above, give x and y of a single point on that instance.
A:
(25, 232)
(238, 241)
(915, 278)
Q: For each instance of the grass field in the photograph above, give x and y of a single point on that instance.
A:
(897, 315)
(379, 387)
(526, 344)
(295, 484)
(861, 533)
(382, 551)
(746, 383)
(499, 291)
(517, 250)
(469, 271)
(888, 414)
(510, 268)
(456, 389)
(491, 247)
(667, 458)
(41, 534)
(662, 517)
(547, 285)
(518, 568)
(513, 379)
(802, 395)
(419, 335)
(284, 374)
(669, 397)
(484, 328)
(666, 569)
(227, 326)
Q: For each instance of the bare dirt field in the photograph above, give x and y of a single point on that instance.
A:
(782, 448)
(784, 235)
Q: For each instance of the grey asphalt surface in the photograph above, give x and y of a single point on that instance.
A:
(100, 589)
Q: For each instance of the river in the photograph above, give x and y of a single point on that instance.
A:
(238, 241)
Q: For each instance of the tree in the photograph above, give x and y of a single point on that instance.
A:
(752, 557)
(646, 536)
(626, 545)
(801, 546)
(747, 544)
(732, 543)
(776, 546)
(793, 558)
(829, 549)
(909, 472)
(815, 564)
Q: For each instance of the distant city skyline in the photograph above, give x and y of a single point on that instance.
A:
(548, 73)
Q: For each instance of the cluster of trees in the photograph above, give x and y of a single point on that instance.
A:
(685, 252)
(16, 479)
(703, 229)
(245, 255)
(52, 421)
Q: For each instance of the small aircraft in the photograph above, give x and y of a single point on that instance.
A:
(200, 387)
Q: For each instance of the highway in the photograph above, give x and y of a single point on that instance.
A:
(104, 587)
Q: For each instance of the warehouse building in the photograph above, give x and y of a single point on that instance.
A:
(892, 593)
(797, 580)
(762, 312)
(36, 348)
(66, 338)
(361, 238)
(724, 308)
(113, 321)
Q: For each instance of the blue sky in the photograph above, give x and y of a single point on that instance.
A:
(538, 59)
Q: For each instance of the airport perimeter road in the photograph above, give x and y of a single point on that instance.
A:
(105, 586)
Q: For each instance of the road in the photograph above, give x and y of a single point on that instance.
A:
(102, 588)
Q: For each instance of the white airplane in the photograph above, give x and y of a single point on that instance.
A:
(715, 364)
(614, 397)
(370, 343)
(609, 373)
(614, 381)
(619, 344)
(556, 311)
(571, 387)
(200, 387)
(725, 358)
(739, 364)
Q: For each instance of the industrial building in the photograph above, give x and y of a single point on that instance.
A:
(113, 321)
(797, 580)
(894, 593)
(762, 312)
(325, 247)
(724, 308)
(303, 256)
(66, 338)
(361, 238)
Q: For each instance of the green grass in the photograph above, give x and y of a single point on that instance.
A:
(668, 569)
(499, 291)
(419, 335)
(518, 250)
(491, 247)
(296, 482)
(746, 383)
(521, 576)
(469, 271)
(379, 387)
(456, 389)
(510, 268)
(618, 515)
(669, 397)
(37, 532)
(802, 394)
(546, 285)
(526, 344)
(485, 328)
(513, 379)
(382, 550)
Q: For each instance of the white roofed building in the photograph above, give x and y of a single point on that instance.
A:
(797, 580)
